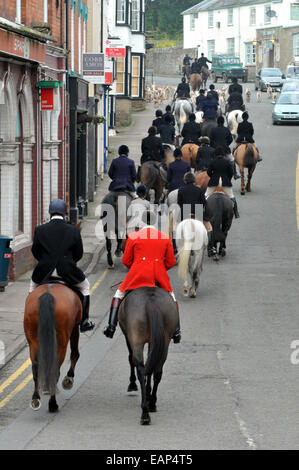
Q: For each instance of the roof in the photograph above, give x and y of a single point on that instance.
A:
(206, 5)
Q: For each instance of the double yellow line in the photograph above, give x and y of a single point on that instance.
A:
(13, 377)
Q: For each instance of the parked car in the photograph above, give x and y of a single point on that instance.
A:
(269, 76)
(226, 67)
(290, 85)
(286, 108)
(292, 71)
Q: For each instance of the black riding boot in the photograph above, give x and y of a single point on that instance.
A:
(211, 248)
(113, 317)
(177, 334)
(86, 324)
(236, 212)
(174, 246)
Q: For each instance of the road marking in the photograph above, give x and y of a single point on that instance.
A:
(27, 363)
(15, 391)
(297, 192)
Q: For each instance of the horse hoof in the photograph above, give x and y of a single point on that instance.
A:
(192, 295)
(118, 253)
(110, 266)
(132, 388)
(185, 293)
(248, 190)
(145, 421)
(216, 258)
(53, 407)
(242, 193)
(35, 404)
(67, 383)
(223, 252)
(153, 408)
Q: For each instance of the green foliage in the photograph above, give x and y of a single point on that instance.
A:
(163, 17)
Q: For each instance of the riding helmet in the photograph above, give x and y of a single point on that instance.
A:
(159, 113)
(57, 206)
(123, 150)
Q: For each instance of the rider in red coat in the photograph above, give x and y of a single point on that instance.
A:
(148, 255)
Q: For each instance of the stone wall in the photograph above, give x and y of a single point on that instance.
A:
(168, 60)
(123, 111)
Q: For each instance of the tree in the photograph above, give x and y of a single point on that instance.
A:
(165, 20)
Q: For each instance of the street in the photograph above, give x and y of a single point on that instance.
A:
(231, 383)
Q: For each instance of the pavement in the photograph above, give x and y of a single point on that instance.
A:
(12, 301)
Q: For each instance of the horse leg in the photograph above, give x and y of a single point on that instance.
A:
(118, 251)
(242, 180)
(153, 397)
(68, 380)
(145, 417)
(132, 385)
(35, 401)
(250, 173)
(53, 407)
(186, 289)
(109, 255)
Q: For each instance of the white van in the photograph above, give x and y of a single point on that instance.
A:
(292, 71)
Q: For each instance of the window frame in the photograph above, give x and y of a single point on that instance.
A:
(296, 6)
(138, 13)
(296, 45)
(267, 19)
(136, 56)
(193, 17)
(250, 53)
(230, 17)
(211, 19)
(125, 12)
(251, 10)
(19, 11)
(229, 50)
(211, 41)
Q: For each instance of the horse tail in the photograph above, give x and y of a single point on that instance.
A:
(217, 220)
(152, 175)
(249, 160)
(157, 342)
(235, 124)
(188, 236)
(183, 115)
(48, 362)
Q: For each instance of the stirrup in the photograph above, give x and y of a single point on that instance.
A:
(87, 325)
(177, 336)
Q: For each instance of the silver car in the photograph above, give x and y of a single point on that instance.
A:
(272, 77)
(286, 108)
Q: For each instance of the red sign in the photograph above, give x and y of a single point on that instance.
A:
(47, 98)
(108, 78)
(115, 51)
(7, 255)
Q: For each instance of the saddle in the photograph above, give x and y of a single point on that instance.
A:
(59, 280)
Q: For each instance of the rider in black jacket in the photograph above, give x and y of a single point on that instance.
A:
(57, 246)
(205, 154)
(191, 131)
(183, 89)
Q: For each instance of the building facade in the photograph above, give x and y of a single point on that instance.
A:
(126, 26)
(236, 27)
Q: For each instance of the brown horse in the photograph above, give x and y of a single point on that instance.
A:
(189, 152)
(52, 318)
(147, 315)
(246, 156)
(202, 179)
(153, 177)
(195, 81)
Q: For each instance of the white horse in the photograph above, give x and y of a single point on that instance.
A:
(191, 240)
(233, 119)
(182, 111)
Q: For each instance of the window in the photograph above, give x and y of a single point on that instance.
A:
(136, 15)
(120, 76)
(192, 22)
(121, 11)
(294, 11)
(230, 46)
(19, 222)
(79, 44)
(230, 17)
(267, 18)
(211, 48)
(18, 11)
(296, 45)
(250, 53)
(45, 11)
(135, 75)
(72, 40)
(252, 16)
(211, 19)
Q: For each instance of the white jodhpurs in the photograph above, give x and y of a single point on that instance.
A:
(120, 295)
(83, 287)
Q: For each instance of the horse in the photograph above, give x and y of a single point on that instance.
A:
(153, 176)
(182, 111)
(205, 73)
(220, 209)
(186, 71)
(246, 155)
(207, 126)
(233, 119)
(202, 179)
(114, 218)
(52, 318)
(147, 315)
(189, 152)
(195, 81)
(191, 242)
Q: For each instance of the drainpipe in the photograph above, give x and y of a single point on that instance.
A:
(105, 131)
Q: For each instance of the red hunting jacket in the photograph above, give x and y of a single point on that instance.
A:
(148, 255)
